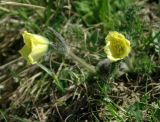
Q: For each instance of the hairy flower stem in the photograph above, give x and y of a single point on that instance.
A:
(61, 47)
(89, 67)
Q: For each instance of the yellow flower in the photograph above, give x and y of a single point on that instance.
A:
(35, 47)
(117, 47)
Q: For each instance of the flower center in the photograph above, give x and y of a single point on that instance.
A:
(117, 49)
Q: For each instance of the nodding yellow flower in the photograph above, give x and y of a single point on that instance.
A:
(117, 46)
(35, 47)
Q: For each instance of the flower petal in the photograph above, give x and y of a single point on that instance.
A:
(25, 51)
(38, 51)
